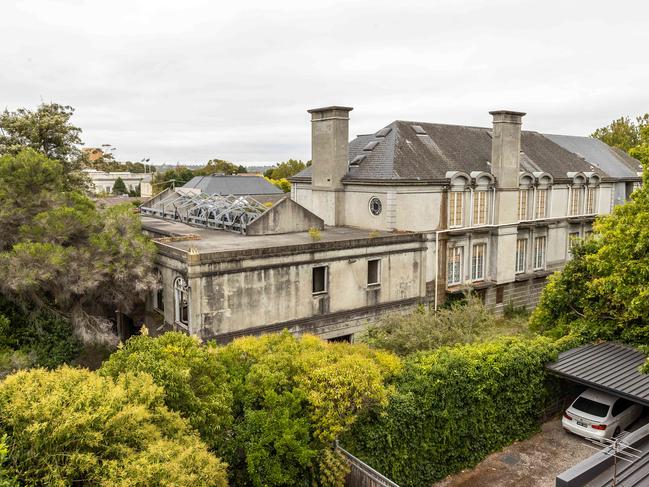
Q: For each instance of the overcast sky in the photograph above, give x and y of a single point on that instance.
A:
(189, 80)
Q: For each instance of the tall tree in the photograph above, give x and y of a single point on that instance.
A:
(119, 188)
(47, 130)
(629, 135)
(219, 166)
(58, 251)
(603, 292)
(285, 169)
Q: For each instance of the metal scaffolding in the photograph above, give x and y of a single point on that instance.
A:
(232, 213)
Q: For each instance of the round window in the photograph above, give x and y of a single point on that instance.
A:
(375, 206)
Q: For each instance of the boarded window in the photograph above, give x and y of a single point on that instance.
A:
(319, 284)
(500, 294)
(373, 272)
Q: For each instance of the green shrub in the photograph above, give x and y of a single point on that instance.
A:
(453, 406)
(73, 427)
(464, 321)
(293, 397)
(194, 382)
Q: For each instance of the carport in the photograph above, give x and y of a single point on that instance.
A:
(609, 367)
(613, 368)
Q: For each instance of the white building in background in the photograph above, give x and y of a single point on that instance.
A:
(103, 182)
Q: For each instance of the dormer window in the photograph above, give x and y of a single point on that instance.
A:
(480, 208)
(575, 200)
(523, 197)
(456, 209)
(541, 203)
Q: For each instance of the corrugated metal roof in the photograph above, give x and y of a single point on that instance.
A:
(236, 185)
(609, 367)
(616, 164)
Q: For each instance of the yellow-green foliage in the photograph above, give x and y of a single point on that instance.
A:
(455, 405)
(193, 380)
(282, 184)
(72, 426)
(293, 397)
(315, 234)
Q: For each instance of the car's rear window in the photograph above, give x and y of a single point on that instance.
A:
(591, 407)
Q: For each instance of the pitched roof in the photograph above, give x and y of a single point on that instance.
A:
(235, 185)
(612, 161)
(417, 151)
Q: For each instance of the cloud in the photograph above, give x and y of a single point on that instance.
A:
(193, 80)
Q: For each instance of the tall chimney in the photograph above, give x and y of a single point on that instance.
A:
(506, 147)
(330, 160)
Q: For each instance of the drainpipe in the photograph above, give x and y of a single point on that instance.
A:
(493, 205)
(471, 207)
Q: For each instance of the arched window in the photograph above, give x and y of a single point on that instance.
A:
(181, 303)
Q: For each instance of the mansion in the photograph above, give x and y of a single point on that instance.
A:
(411, 214)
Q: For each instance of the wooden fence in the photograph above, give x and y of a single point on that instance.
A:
(362, 475)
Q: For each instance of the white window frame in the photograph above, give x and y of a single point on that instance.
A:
(478, 268)
(540, 210)
(521, 255)
(591, 200)
(540, 246)
(326, 280)
(378, 273)
(574, 201)
(454, 265)
(523, 204)
(181, 289)
(480, 207)
(455, 209)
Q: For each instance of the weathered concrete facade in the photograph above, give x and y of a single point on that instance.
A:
(245, 285)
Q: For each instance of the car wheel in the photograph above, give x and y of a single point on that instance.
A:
(616, 432)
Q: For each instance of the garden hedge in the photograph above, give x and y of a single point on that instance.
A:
(454, 406)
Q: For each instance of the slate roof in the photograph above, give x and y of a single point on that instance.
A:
(416, 151)
(613, 161)
(235, 185)
(607, 366)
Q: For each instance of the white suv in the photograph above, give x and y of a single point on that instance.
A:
(597, 414)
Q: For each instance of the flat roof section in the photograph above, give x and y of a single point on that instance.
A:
(609, 367)
(206, 241)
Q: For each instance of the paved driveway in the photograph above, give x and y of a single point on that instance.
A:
(530, 463)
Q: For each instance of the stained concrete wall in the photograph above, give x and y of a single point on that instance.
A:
(285, 216)
(266, 291)
(236, 295)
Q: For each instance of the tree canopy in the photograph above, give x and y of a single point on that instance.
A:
(58, 251)
(286, 169)
(632, 136)
(603, 292)
(73, 427)
(119, 187)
